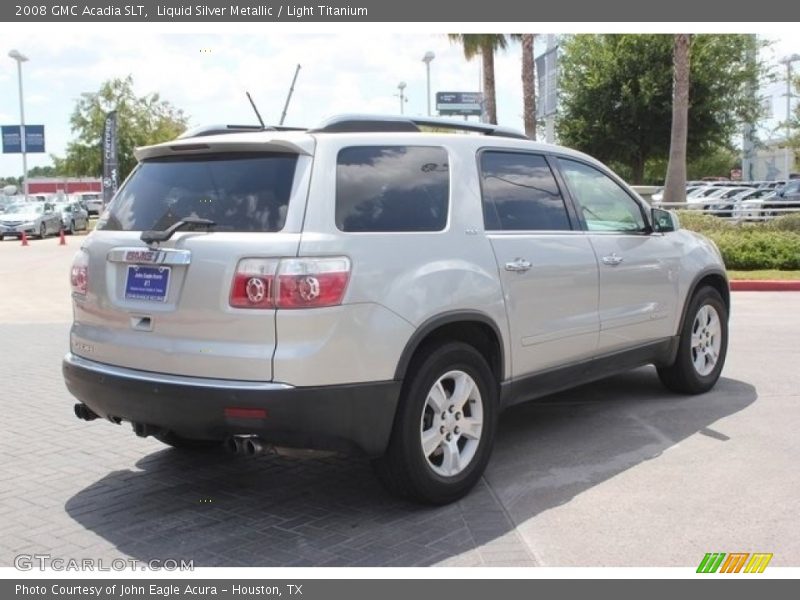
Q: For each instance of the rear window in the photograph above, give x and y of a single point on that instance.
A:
(392, 188)
(239, 192)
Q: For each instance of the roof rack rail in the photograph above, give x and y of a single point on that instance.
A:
(223, 129)
(380, 123)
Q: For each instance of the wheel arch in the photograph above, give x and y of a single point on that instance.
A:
(472, 327)
(713, 278)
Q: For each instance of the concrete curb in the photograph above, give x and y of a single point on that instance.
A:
(766, 285)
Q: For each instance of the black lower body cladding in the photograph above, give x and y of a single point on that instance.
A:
(354, 418)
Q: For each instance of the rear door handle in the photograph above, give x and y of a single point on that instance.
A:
(612, 259)
(518, 265)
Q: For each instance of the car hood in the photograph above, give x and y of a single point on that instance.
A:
(18, 216)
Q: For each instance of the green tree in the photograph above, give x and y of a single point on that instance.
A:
(45, 171)
(485, 44)
(616, 93)
(141, 120)
(794, 139)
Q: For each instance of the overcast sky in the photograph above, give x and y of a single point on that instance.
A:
(207, 74)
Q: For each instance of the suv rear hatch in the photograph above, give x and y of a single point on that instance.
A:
(166, 306)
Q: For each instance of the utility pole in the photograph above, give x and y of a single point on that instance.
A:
(402, 86)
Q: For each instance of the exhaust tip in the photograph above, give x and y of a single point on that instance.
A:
(247, 445)
(253, 447)
(233, 445)
(84, 413)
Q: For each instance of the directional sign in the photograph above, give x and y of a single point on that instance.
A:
(12, 140)
(459, 103)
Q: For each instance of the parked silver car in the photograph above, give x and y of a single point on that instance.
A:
(34, 218)
(364, 286)
(93, 201)
(74, 216)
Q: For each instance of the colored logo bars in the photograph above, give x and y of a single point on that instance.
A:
(734, 562)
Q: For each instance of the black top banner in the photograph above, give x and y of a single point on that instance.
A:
(355, 11)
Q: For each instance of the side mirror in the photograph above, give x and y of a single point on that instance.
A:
(664, 221)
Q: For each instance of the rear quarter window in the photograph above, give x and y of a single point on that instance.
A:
(392, 188)
(239, 192)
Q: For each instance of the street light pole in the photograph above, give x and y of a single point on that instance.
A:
(402, 86)
(788, 60)
(429, 56)
(21, 58)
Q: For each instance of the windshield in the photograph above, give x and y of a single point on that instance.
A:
(24, 209)
(239, 192)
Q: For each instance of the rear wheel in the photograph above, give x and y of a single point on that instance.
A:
(702, 347)
(172, 439)
(444, 427)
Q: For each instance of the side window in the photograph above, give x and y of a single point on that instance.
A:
(520, 193)
(604, 204)
(392, 188)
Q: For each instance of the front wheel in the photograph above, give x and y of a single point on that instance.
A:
(444, 428)
(42, 231)
(702, 347)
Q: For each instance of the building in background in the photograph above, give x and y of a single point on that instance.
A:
(66, 185)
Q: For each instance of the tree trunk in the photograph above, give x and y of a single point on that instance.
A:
(528, 86)
(490, 104)
(637, 169)
(675, 185)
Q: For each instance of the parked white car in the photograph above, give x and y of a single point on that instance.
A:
(93, 201)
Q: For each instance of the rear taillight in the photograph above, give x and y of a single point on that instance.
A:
(312, 282)
(253, 283)
(79, 274)
(290, 282)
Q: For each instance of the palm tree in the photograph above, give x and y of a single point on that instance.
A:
(675, 185)
(528, 85)
(484, 44)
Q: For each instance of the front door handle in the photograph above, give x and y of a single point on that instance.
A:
(612, 259)
(518, 265)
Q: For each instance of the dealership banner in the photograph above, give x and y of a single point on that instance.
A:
(110, 166)
(12, 139)
(443, 11)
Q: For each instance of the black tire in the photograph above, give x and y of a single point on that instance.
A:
(42, 230)
(682, 376)
(71, 230)
(405, 470)
(172, 439)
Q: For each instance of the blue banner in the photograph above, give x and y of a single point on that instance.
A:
(12, 140)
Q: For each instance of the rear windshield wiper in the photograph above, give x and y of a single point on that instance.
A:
(162, 236)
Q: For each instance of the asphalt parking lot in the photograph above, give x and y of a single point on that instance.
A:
(618, 473)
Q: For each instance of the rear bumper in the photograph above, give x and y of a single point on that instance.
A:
(349, 418)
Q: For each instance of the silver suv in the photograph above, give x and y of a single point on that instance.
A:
(366, 286)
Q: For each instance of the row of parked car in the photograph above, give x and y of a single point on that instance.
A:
(47, 214)
(745, 201)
